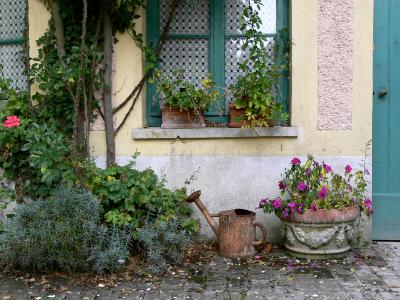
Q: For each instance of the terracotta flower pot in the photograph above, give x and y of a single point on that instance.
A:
(320, 234)
(174, 118)
(236, 116)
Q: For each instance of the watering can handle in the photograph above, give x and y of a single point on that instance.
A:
(264, 234)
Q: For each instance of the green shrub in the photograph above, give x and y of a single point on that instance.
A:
(65, 233)
(130, 197)
(164, 242)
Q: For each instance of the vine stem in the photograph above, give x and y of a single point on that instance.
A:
(138, 88)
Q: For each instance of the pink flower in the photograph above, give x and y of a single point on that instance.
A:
(301, 186)
(327, 168)
(277, 203)
(282, 185)
(348, 169)
(12, 121)
(262, 203)
(292, 206)
(314, 206)
(368, 205)
(323, 192)
(295, 161)
(308, 172)
(285, 213)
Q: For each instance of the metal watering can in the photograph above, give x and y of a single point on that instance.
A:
(236, 229)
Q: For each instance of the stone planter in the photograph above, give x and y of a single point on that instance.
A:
(174, 118)
(320, 234)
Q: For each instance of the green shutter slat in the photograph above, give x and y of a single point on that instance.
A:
(216, 112)
(12, 41)
(282, 26)
(153, 112)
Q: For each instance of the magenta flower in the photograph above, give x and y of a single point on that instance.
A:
(12, 121)
(285, 213)
(368, 205)
(327, 168)
(348, 169)
(308, 172)
(277, 203)
(300, 208)
(314, 206)
(292, 206)
(323, 192)
(295, 161)
(282, 185)
(301, 186)
(262, 203)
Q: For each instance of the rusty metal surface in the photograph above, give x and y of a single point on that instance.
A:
(236, 231)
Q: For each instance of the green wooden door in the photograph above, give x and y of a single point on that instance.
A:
(386, 121)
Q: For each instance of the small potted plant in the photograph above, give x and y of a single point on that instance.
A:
(183, 103)
(256, 91)
(318, 208)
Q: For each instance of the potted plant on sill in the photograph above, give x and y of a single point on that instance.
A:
(183, 103)
(255, 92)
(318, 208)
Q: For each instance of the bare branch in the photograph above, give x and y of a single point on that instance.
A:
(157, 52)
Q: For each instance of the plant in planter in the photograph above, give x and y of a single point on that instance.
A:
(183, 102)
(318, 208)
(256, 90)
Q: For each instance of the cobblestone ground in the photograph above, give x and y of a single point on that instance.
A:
(372, 274)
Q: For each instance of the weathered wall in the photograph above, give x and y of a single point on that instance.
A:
(237, 172)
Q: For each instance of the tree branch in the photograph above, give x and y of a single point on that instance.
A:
(157, 52)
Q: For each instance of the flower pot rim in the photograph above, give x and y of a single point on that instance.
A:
(324, 216)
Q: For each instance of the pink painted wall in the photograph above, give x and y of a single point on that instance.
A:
(335, 64)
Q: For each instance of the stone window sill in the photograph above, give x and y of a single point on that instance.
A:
(156, 133)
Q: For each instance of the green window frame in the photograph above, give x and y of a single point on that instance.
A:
(13, 15)
(216, 53)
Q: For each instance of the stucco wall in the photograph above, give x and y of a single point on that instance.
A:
(240, 171)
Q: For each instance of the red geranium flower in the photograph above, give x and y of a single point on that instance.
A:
(12, 121)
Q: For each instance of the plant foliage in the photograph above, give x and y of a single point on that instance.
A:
(165, 242)
(63, 233)
(257, 90)
(176, 92)
(315, 186)
(130, 197)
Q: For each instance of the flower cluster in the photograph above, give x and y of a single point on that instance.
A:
(12, 121)
(315, 186)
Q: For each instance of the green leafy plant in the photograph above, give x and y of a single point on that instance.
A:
(164, 242)
(130, 196)
(176, 92)
(315, 186)
(257, 89)
(64, 233)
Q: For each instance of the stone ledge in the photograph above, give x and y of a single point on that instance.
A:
(155, 133)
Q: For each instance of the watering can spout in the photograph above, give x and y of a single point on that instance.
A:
(195, 197)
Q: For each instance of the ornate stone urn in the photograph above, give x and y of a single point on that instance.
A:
(320, 234)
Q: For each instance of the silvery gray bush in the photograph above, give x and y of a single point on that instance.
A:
(65, 233)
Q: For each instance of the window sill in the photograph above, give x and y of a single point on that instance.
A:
(156, 133)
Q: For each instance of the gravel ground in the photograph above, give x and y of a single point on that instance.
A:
(373, 273)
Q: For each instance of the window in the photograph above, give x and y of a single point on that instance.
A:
(12, 41)
(207, 39)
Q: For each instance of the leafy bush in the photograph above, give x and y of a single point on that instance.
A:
(130, 196)
(164, 242)
(179, 93)
(64, 233)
